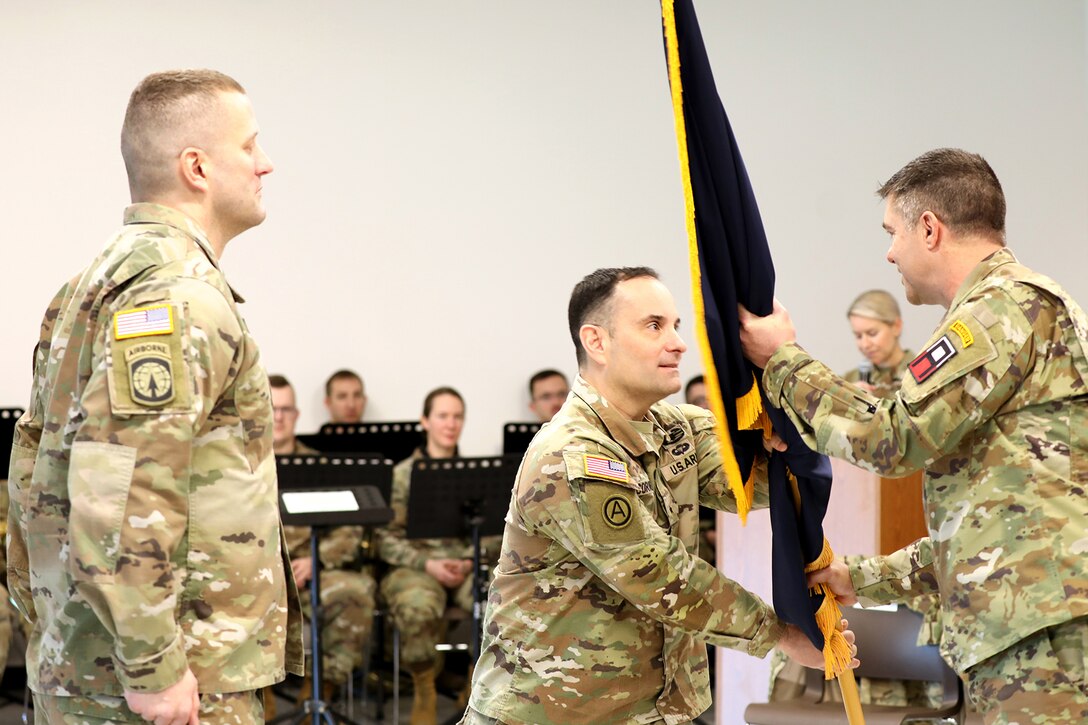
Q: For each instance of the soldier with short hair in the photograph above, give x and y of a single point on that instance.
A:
(995, 409)
(345, 397)
(600, 609)
(547, 391)
(144, 535)
(347, 586)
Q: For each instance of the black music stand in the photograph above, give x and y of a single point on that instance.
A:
(393, 439)
(320, 491)
(8, 418)
(454, 497)
(516, 437)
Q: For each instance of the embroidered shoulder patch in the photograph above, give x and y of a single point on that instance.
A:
(150, 374)
(605, 468)
(932, 359)
(142, 321)
(964, 334)
(617, 511)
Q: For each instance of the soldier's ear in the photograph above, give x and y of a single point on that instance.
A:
(594, 341)
(192, 167)
(933, 230)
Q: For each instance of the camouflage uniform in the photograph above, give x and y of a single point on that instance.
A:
(347, 594)
(788, 677)
(144, 532)
(998, 421)
(600, 610)
(416, 600)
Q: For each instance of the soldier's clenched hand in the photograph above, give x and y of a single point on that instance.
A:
(178, 704)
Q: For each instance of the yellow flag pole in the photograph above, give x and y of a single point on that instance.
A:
(836, 650)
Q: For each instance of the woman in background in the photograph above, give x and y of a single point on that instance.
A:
(876, 324)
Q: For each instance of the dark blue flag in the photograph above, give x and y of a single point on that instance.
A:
(731, 264)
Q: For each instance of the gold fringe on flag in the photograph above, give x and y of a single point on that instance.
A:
(710, 372)
(750, 412)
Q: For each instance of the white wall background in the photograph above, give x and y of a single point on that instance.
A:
(446, 171)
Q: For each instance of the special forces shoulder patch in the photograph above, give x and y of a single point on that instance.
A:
(932, 359)
(150, 373)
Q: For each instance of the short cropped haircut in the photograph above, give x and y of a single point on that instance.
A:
(544, 375)
(697, 380)
(166, 113)
(958, 186)
(590, 302)
(344, 374)
(279, 381)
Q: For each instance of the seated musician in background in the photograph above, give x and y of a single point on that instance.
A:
(427, 574)
(547, 391)
(345, 397)
(347, 589)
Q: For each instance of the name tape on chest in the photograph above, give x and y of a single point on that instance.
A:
(143, 321)
(931, 359)
(606, 468)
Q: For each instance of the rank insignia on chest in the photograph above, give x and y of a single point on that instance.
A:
(150, 374)
(606, 468)
(142, 321)
(932, 359)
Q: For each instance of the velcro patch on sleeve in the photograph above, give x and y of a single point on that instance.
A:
(612, 514)
(143, 321)
(605, 468)
(932, 358)
(148, 371)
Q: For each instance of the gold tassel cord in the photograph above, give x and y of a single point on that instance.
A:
(713, 387)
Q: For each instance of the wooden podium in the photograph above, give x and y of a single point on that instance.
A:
(902, 517)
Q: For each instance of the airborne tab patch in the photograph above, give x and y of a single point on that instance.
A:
(156, 320)
(150, 374)
(964, 333)
(932, 359)
(606, 468)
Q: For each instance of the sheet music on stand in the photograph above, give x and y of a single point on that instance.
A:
(8, 418)
(339, 485)
(319, 491)
(516, 437)
(395, 440)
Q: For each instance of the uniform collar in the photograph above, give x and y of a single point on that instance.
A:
(619, 428)
(981, 271)
(147, 213)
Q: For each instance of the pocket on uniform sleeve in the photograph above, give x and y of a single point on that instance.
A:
(99, 477)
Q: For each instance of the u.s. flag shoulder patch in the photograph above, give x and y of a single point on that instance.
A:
(606, 468)
(143, 321)
(932, 359)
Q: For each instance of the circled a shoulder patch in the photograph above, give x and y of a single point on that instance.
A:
(617, 511)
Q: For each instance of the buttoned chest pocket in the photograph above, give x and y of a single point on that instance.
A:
(253, 402)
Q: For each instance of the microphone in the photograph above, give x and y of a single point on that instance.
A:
(865, 372)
